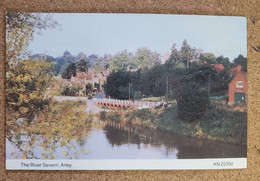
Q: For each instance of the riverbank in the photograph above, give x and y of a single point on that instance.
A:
(221, 123)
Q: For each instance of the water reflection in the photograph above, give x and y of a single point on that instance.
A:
(114, 141)
(187, 147)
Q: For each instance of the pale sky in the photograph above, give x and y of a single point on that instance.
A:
(111, 33)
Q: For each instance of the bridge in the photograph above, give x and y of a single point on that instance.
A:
(124, 104)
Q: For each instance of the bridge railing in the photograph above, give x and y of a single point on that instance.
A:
(127, 102)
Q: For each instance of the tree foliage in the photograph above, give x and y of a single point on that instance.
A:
(117, 85)
(54, 138)
(31, 117)
(145, 58)
(69, 70)
(193, 92)
(19, 32)
(224, 61)
(120, 61)
(241, 60)
(82, 65)
(186, 53)
(174, 57)
(208, 58)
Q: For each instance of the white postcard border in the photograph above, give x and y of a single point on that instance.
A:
(126, 164)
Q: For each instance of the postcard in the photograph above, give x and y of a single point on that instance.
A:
(88, 91)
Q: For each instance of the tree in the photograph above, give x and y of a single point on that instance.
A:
(145, 58)
(208, 58)
(89, 88)
(19, 32)
(174, 57)
(192, 101)
(224, 61)
(26, 80)
(117, 85)
(63, 61)
(92, 59)
(69, 70)
(120, 61)
(241, 60)
(81, 56)
(193, 92)
(186, 53)
(82, 66)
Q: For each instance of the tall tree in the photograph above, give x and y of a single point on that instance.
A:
(186, 53)
(174, 57)
(26, 80)
(192, 92)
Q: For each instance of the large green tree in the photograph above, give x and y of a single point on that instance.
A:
(117, 85)
(145, 58)
(120, 61)
(208, 58)
(192, 90)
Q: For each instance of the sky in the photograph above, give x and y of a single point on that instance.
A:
(112, 33)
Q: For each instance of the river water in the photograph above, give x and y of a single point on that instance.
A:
(114, 141)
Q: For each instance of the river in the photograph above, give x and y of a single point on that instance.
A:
(108, 140)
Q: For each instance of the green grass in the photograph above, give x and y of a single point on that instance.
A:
(154, 98)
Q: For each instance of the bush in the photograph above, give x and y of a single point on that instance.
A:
(65, 90)
(103, 115)
(137, 95)
(114, 117)
(71, 91)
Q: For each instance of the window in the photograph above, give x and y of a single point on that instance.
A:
(239, 84)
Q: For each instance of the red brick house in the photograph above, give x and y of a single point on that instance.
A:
(237, 88)
(95, 78)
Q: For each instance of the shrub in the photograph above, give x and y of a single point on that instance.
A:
(192, 102)
(103, 115)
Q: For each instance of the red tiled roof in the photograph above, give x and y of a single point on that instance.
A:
(219, 66)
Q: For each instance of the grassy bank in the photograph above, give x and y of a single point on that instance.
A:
(220, 123)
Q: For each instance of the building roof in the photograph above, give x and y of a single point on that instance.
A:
(80, 75)
(240, 74)
(219, 66)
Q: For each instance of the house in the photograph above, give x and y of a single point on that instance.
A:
(237, 88)
(96, 78)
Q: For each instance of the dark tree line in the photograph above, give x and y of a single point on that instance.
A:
(188, 76)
